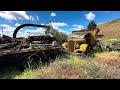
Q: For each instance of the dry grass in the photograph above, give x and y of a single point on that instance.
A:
(110, 29)
(110, 59)
(105, 65)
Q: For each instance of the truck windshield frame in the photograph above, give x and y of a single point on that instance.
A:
(78, 36)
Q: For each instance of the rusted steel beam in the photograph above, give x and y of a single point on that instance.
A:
(22, 51)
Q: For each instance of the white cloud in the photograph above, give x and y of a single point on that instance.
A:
(7, 15)
(90, 16)
(32, 18)
(57, 25)
(15, 15)
(74, 25)
(22, 34)
(39, 31)
(7, 29)
(17, 24)
(77, 27)
(42, 24)
(34, 32)
(53, 14)
(61, 30)
(37, 17)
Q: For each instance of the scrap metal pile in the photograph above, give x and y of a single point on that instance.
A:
(114, 46)
(9, 46)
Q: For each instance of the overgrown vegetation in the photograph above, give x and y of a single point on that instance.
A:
(108, 41)
(105, 65)
(59, 36)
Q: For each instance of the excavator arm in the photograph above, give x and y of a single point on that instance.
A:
(24, 25)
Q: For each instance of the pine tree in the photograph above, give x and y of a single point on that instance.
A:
(92, 25)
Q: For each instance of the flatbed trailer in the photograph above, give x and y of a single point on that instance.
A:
(46, 51)
(31, 49)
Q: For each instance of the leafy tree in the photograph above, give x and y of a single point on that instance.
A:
(48, 29)
(92, 25)
(59, 36)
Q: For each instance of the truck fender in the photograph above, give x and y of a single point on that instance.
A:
(83, 47)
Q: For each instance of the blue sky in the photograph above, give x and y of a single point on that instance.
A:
(63, 21)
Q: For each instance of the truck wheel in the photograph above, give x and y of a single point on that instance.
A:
(30, 62)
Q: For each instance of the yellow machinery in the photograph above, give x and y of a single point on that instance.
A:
(81, 41)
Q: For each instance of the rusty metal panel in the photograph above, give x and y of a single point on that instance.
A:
(71, 45)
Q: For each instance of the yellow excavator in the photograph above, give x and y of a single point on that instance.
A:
(81, 41)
